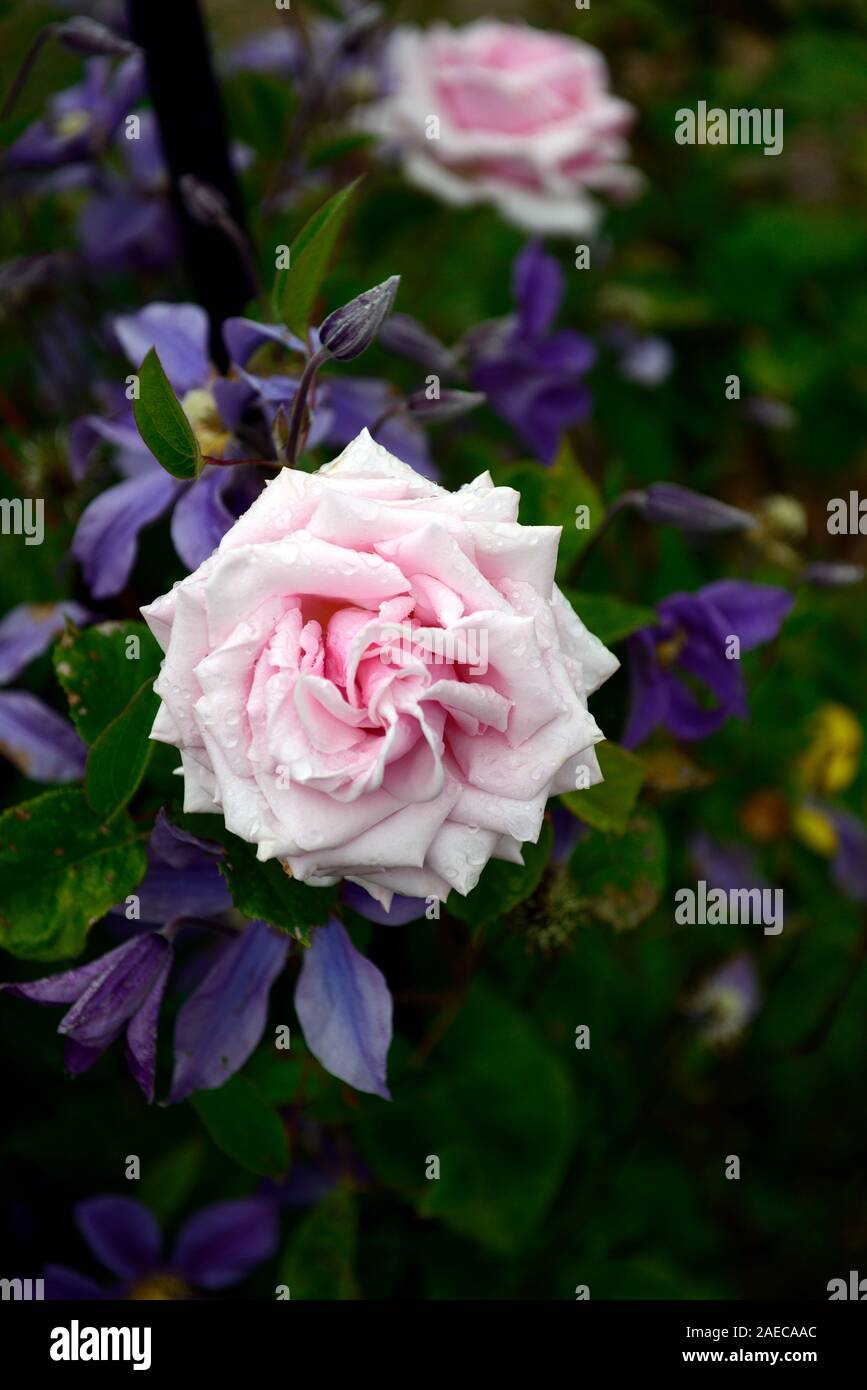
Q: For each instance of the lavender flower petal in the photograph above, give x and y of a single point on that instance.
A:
(122, 1234)
(345, 1009)
(223, 1243)
(42, 744)
(106, 538)
(221, 1024)
(179, 332)
(29, 630)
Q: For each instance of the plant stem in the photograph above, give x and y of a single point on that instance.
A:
(299, 404)
(26, 68)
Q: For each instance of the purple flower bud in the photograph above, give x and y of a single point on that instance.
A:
(448, 405)
(647, 361)
(773, 414)
(669, 504)
(349, 331)
(202, 201)
(88, 36)
(405, 337)
(825, 575)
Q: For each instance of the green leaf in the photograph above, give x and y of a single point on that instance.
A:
(502, 886)
(496, 1107)
(621, 877)
(608, 805)
(61, 869)
(167, 1183)
(162, 423)
(101, 669)
(552, 497)
(120, 755)
(332, 150)
(319, 1262)
(610, 618)
(266, 891)
(244, 1127)
(296, 287)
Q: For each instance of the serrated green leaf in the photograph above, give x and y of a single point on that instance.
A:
(319, 1262)
(609, 805)
(61, 869)
(608, 617)
(502, 886)
(244, 1127)
(119, 757)
(621, 877)
(162, 423)
(266, 891)
(296, 287)
(98, 676)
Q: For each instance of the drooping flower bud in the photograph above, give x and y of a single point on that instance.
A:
(350, 330)
(84, 35)
(448, 405)
(669, 504)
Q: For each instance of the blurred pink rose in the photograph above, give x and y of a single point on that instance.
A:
(374, 678)
(507, 114)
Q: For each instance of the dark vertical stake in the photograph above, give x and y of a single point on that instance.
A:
(189, 112)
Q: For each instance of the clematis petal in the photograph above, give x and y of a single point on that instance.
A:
(223, 1243)
(179, 332)
(223, 1020)
(42, 744)
(754, 612)
(122, 1234)
(648, 690)
(401, 911)
(100, 1013)
(106, 537)
(28, 630)
(344, 1007)
(201, 518)
(141, 1033)
(68, 985)
(64, 1285)
(537, 288)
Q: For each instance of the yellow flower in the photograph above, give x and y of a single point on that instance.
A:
(815, 830)
(830, 762)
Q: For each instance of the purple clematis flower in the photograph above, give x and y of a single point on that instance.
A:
(127, 222)
(41, 743)
(120, 992)
(81, 121)
(692, 638)
(531, 375)
(223, 1018)
(220, 407)
(726, 1000)
(219, 1246)
(724, 866)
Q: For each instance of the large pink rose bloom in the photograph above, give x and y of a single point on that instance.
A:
(511, 115)
(376, 679)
